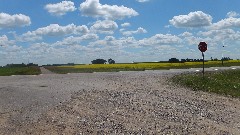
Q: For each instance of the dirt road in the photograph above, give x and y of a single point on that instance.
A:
(112, 103)
(45, 71)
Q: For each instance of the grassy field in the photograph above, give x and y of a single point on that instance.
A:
(136, 66)
(7, 71)
(224, 82)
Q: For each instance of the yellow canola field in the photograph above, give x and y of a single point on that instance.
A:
(143, 65)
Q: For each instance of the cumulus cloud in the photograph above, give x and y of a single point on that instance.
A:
(104, 27)
(107, 41)
(14, 48)
(193, 19)
(110, 41)
(126, 24)
(16, 20)
(226, 23)
(142, 0)
(71, 40)
(61, 8)
(90, 37)
(232, 14)
(54, 30)
(109, 38)
(138, 31)
(186, 34)
(44, 53)
(193, 40)
(4, 41)
(160, 39)
(220, 35)
(216, 38)
(94, 8)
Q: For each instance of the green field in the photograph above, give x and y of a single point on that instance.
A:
(7, 71)
(136, 66)
(222, 82)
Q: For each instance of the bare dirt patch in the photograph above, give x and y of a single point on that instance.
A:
(135, 103)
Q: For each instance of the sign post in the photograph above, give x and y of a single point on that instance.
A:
(202, 47)
(203, 63)
(222, 55)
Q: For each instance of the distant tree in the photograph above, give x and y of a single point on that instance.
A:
(183, 60)
(173, 60)
(16, 65)
(226, 58)
(111, 61)
(99, 61)
(32, 64)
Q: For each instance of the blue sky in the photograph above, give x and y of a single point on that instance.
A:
(54, 31)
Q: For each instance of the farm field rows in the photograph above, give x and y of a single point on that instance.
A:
(137, 66)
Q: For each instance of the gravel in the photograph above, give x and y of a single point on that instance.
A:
(112, 103)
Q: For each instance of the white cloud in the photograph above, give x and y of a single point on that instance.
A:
(160, 39)
(104, 27)
(83, 29)
(142, 0)
(61, 8)
(4, 41)
(193, 40)
(53, 30)
(193, 19)
(14, 48)
(110, 41)
(90, 37)
(226, 23)
(94, 8)
(186, 34)
(44, 52)
(232, 14)
(138, 31)
(221, 35)
(77, 40)
(109, 38)
(16, 20)
(126, 24)
(121, 30)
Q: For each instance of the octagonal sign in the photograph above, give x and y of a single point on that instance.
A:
(202, 46)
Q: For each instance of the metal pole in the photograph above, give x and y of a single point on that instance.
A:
(222, 53)
(203, 63)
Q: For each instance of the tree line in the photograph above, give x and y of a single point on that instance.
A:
(102, 61)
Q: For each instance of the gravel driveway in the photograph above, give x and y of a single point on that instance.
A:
(112, 103)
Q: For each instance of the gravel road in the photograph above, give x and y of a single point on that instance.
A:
(45, 71)
(112, 103)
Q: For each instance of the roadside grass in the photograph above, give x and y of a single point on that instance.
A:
(225, 82)
(65, 70)
(136, 66)
(7, 71)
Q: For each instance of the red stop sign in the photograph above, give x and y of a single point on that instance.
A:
(202, 46)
